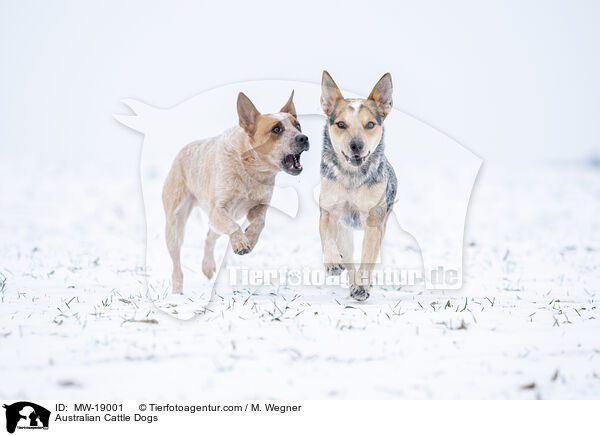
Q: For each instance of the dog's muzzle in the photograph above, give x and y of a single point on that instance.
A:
(291, 162)
(356, 160)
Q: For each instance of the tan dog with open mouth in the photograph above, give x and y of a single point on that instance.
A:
(358, 184)
(231, 176)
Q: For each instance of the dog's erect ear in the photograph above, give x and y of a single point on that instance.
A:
(382, 95)
(330, 93)
(248, 114)
(289, 106)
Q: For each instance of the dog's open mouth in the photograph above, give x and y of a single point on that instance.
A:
(291, 164)
(356, 159)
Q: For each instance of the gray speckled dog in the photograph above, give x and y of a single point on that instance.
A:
(358, 184)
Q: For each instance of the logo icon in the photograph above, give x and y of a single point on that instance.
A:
(436, 173)
(26, 415)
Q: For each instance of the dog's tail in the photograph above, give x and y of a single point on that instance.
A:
(145, 115)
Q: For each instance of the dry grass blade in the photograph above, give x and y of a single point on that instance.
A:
(144, 321)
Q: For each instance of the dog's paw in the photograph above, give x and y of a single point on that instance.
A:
(359, 293)
(240, 243)
(252, 239)
(334, 269)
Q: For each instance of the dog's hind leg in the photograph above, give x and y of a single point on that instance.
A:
(178, 203)
(208, 262)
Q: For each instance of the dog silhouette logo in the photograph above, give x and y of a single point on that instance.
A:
(435, 175)
(26, 415)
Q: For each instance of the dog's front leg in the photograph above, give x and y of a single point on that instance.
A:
(256, 216)
(328, 228)
(222, 223)
(374, 229)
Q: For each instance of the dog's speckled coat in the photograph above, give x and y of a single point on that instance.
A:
(358, 184)
(231, 176)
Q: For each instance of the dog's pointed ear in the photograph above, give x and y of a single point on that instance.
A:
(330, 93)
(248, 114)
(382, 95)
(289, 106)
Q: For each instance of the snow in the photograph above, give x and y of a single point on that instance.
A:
(75, 322)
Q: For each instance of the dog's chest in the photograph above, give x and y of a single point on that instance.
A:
(251, 194)
(352, 205)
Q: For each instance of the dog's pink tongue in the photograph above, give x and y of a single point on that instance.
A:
(297, 163)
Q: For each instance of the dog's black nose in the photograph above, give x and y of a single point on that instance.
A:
(356, 146)
(302, 140)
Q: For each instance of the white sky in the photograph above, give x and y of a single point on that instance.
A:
(507, 79)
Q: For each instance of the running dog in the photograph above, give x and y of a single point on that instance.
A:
(358, 184)
(231, 176)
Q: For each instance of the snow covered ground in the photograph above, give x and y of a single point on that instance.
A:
(75, 323)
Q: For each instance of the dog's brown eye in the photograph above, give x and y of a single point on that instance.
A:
(370, 125)
(298, 126)
(276, 130)
(341, 124)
